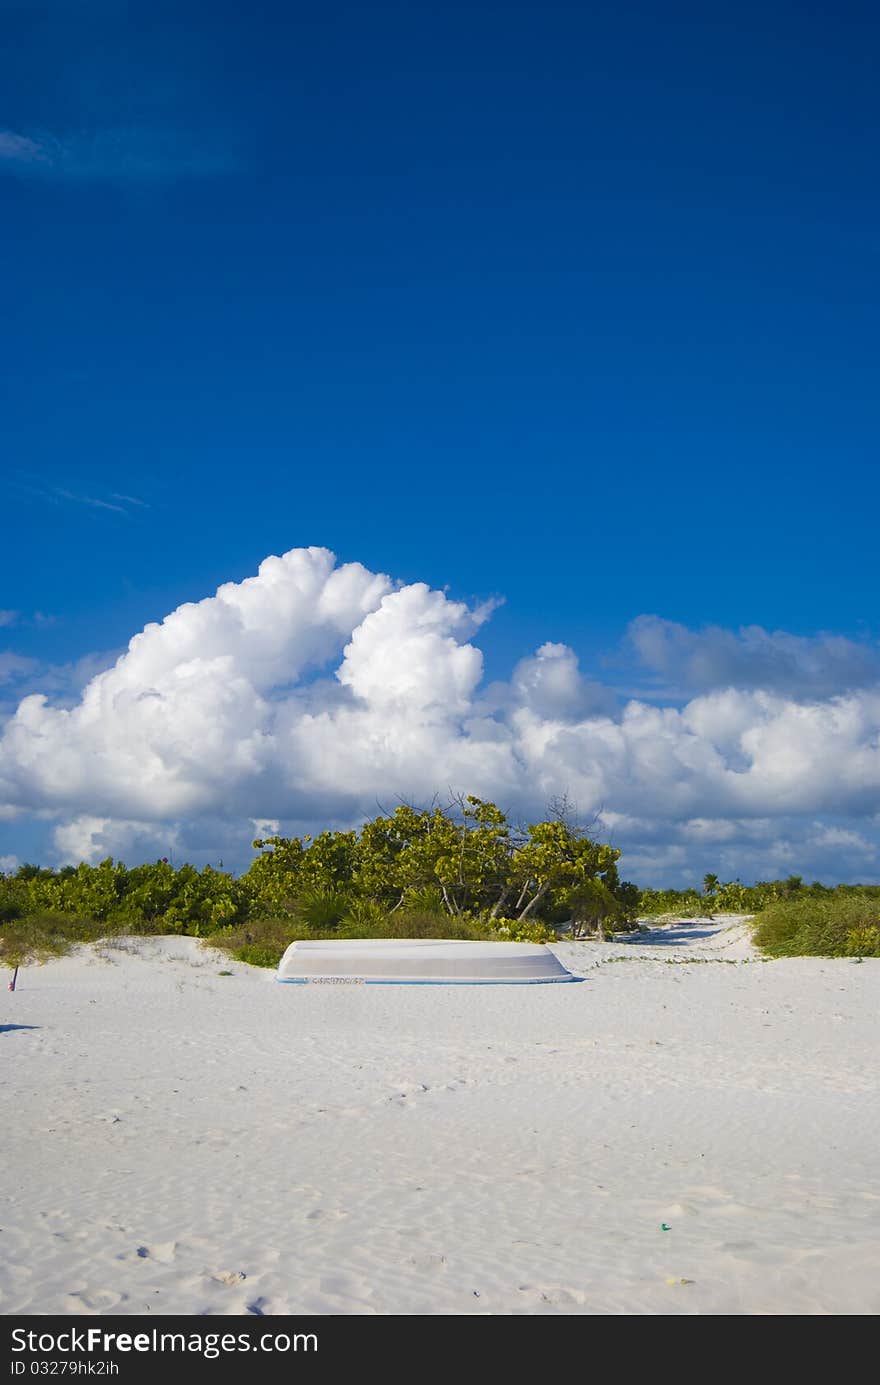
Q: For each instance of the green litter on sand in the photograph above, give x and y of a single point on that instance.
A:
(664, 1227)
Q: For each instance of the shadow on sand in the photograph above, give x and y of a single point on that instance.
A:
(670, 937)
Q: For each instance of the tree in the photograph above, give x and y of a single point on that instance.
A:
(593, 906)
(556, 860)
(478, 868)
(273, 876)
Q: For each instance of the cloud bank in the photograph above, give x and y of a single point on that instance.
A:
(308, 692)
(695, 660)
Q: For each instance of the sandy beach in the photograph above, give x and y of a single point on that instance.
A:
(692, 1130)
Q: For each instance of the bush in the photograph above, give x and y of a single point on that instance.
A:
(838, 923)
(523, 931)
(364, 919)
(260, 942)
(863, 942)
(321, 909)
(430, 923)
(258, 954)
(426, 900)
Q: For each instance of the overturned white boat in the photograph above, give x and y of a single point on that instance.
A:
(419, 962)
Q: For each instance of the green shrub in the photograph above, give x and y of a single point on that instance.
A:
(863, 942)
(261, 942)
(431, 923)
(523, 931)
(322, 909)
(12, 906)
(257, 955)
(833, 924)
(365, 918)
(427, 899)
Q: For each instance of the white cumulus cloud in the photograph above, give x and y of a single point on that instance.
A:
(309, 692)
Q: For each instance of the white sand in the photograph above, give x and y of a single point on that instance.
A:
(178, 1141)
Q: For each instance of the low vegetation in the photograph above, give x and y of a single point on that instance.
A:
(463, 871)
(792, 919)
(719, 898)
(39, 936)
(838, 923)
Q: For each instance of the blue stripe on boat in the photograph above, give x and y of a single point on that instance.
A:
(446, 981)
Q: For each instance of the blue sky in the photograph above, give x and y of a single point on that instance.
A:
(574, 305)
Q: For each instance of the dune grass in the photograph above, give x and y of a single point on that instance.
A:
(262, 942)
(30, 938)
(838, 924)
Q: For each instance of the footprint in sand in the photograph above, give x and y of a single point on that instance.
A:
(163, 1253)
(678, 1209)
(555, 1294)
(91, 1300)
(345, 1287)
(229, 1277)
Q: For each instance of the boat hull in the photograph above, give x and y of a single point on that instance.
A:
(420, 962)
